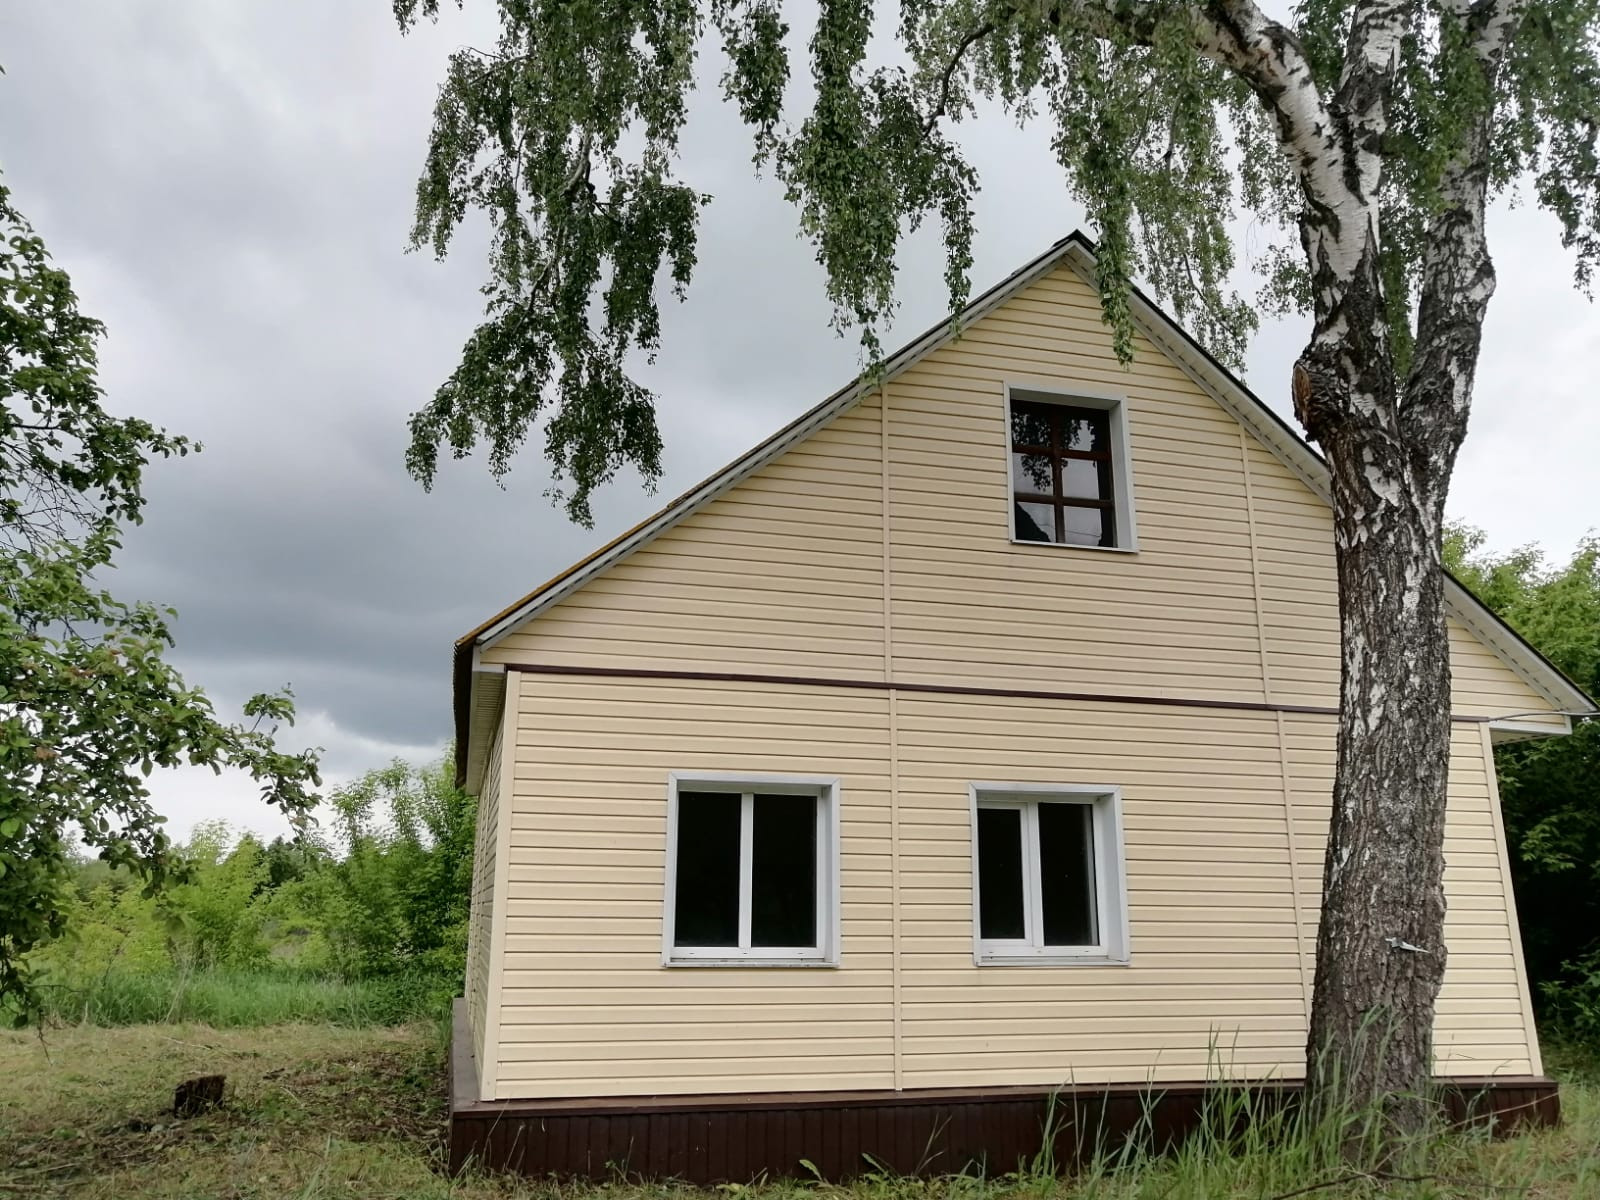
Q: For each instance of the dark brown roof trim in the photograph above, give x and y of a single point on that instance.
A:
(936, 689)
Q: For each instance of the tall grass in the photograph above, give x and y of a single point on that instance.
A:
(238, 998)
(1254, 1144)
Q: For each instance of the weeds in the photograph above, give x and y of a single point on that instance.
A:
(227, 999)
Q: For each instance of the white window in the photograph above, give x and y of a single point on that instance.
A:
(1070, 473)
(752, 871)
(1047, 875)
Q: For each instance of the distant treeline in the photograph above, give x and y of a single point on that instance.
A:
(1550, 788)
(360, 920)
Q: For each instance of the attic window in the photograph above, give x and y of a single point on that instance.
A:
(1069, 472)
(750, 872)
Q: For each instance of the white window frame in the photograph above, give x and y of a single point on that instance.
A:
(1114, 403)
(746, 786)
(1111, 893)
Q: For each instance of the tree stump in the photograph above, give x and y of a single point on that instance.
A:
(197, 1095)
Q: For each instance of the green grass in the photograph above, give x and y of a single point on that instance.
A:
(316, 1111)
(310, 1109)
(236, 999)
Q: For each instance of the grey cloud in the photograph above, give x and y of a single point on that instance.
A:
(231, 185)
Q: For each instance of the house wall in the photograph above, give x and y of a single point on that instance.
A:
(480, 926)
(1223, 824)
(783, 575)
(878, 551)
(588, 1008)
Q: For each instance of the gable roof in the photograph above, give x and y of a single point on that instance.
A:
(1077, 251)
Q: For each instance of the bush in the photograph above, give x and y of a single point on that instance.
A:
(363, 924)
(1550, 787)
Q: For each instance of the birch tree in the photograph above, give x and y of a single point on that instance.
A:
(1370, 134)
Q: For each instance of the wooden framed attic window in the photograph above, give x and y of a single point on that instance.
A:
(752, 871)
(1047, 877)
(1069, 471)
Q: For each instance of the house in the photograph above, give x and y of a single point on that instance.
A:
(971, 737)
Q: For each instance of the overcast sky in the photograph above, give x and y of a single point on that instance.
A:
(230, 186)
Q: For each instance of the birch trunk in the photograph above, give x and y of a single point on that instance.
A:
(1380, 945)
(1391, 445)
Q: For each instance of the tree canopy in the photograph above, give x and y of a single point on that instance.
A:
(89, 704)
(1550, 788)
(1169, 119)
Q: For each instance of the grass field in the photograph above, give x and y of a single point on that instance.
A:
(319, 1111)
(229, 999)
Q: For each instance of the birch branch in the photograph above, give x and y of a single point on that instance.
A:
(1457, 276)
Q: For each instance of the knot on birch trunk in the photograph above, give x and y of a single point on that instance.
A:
(1320, 394)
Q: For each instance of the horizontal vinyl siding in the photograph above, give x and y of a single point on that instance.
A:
(1481, 1027)
(783, 574)
(968, 606)
(587, 1007)
(1214, 981)
(479, 928)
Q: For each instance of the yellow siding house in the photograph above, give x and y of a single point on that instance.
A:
(974, 733)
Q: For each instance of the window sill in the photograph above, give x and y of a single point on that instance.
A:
(1070, 546)
(1048, 960)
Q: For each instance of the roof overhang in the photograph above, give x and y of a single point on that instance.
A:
(1078, 252)
(479, 695)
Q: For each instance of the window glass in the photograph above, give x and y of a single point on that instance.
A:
(1063, 480)
(1000, 890)
(706, 906)
(1084, 430)
(1066, 874)
(1032, 473)
(783, 882)
(1087, 526)
(1035, 522)
(1030, 424)
(1080, 478)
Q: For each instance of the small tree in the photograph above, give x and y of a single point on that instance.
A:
(89, 706)
(1369, 133)
(398, 885)
(1550, 787)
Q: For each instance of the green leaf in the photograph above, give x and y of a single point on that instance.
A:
(82, 709)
